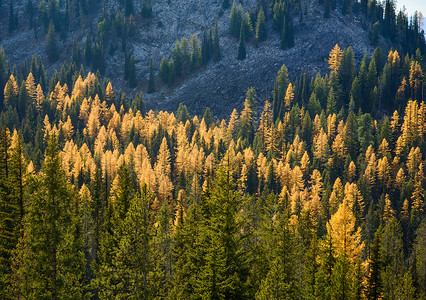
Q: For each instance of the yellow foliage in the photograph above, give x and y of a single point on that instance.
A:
(335, 58)
(345, 237)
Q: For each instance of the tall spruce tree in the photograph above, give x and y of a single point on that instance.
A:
(51, 250)
(216, 46)
(134, 257)
(52, 43)
(280, 88)
(241, 47)
(225, 270)
(261, 26)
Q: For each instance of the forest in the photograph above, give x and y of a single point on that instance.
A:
(312, 196)
(316, 192)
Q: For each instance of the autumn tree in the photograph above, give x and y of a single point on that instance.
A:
(335, 58)
(346, 239)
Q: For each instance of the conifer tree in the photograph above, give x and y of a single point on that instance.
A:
(327, 9)
(281, 279)
(280, 88)
(8, 212)
(52, 43)
(335, 59)
(146, 10)
(134, 258)
(260, 26)
(374, 285)
(11, 91)
(216, 47)
(241, 46)
(343, 279)
(235, 19)
(172, 72)
(287, 33)
(186, 251)
(163, 72)
(132, 71)
(52, 256)
(224, 272)
(23, 100)
(13, 18)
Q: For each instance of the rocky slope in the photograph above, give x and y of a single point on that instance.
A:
(221, 85)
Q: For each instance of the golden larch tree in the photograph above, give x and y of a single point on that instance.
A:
(11, 91)
(289, 96)
(335, 58)
(345, 237)
(162, 165)
(39, 98)
(416, 80)
(31, 87)
(109, 93)
(351, 173)
(388, 211)
(93, 123)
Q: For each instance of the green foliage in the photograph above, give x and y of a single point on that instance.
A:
(287, 33)
(260, 26)
(327, 9)
(52, 259)
(163, 72)
(241, 47)
(146, 10)
(172, 72)
(132, 71)
(52, 44)
(225, 268)
(235, 19)
(280, 88)
(216, 47)
(179, 225)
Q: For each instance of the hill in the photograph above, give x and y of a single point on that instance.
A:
(219, 85)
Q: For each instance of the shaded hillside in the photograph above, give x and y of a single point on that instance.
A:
(220, 85)
(215, 84)
(115, 30)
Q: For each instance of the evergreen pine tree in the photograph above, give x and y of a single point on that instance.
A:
(327, 9)
(172, 72)
(128, 7)
(52, 255)
(7, 213)
(186, 251)
(163, 72)
(13, 19)
(225, 270)
(260, 26)
(234, 23)
(146, 10)
(216, 47)
(134, 257)
(287, 33)
(132, 71)
(241, 46)
(52, 44)
(280, 88)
